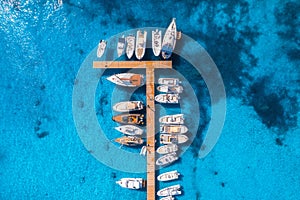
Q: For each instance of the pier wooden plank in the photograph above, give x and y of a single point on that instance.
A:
(131, 64)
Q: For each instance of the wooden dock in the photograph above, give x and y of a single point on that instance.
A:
(150, 92)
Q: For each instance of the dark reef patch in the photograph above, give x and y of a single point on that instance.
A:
(113, 175)
(222, 184)
(275, 108)
(198, 195)
(42, 134)
(279, 141)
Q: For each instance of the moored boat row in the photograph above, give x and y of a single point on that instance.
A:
(165, 45)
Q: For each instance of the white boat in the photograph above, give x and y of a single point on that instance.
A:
(165, 149)
(127, 106)
(121, 45)
(130, 39)
(173, 129)
(140, 48)
(127, 79)
(132, 183)
(170, 89)
(156, 42)
(130, 130)
(169, 81)
(143, 151)
(170, 191)
(172, 139)
(167, 98)
(169, 40)
(167, 198)
(167, 159)
(172, 119)
(130, 140)
(101, 48)
(168, 176)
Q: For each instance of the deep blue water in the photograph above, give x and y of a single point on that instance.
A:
(255, 46)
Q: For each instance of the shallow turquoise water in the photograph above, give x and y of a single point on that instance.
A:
(255, 46)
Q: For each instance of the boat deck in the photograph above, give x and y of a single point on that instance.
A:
(150, 92)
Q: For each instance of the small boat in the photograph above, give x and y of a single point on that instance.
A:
(130, 140)
(101, 48)
(167, 159)
(140, 48)
(169, 81)
(172, 119)
(127, 79)
(173, 139)
(170, 89)
(130, 130)
(173, 129)
(167, 198)
(156, 42)
(165, 149)
(121, 45)
(130, 39)
(168, 176)
(132, 183)
(129, 119)
(170, 191)
(127, 106)
(169, 40)
(143, 151)
(167, 98)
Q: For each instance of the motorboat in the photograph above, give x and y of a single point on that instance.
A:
(101, 48)
(127, 106)
(168, 176)
(129, 119)
(173, 129)
(165, 149)
(130, 39)
(156, 42)
(172, 119)
(169, 81)
(167, 159)
(130, 140)
(169, 40)
(170, 191)
(127, 79)
(167, 98)
(173, 139)
(132, 183)
(130, 130)
(121, 45)
(170, 89)
(143, 151)
(140, 48)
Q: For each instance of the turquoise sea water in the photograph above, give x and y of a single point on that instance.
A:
(254, 44)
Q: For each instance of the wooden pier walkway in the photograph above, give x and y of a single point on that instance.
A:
(150, 92)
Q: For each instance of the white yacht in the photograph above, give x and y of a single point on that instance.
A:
(121, 45)
(167, 98)
(156, 42)
(165, 149)
(173, 129)
(132, 183)
(170, 191)
(172, 139)
(169, 40)
(170, 89)
(130, 130)
(101, 48)
(127, 79)
(167, 198)
(167, 159)
(130, 39)
(169, 81)
(172, 119)
(168, 176)
(140, 48)
(127, 106)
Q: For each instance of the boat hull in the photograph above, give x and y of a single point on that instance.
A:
(173, 129)
(169, 40)
(168, 176)
(132, 119)
(170, 89)
(173, 139)
(140, 48)
(127, 79)
(170, 191)
(156, 42)
(130, 46)
(130, 140)
(101, 48)
(172, 119)
(127, 106)
(121, 45)
(165, 149)
(130, 130)
(132, 183)
(167, 159)
(169, 81)
(167, 98)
